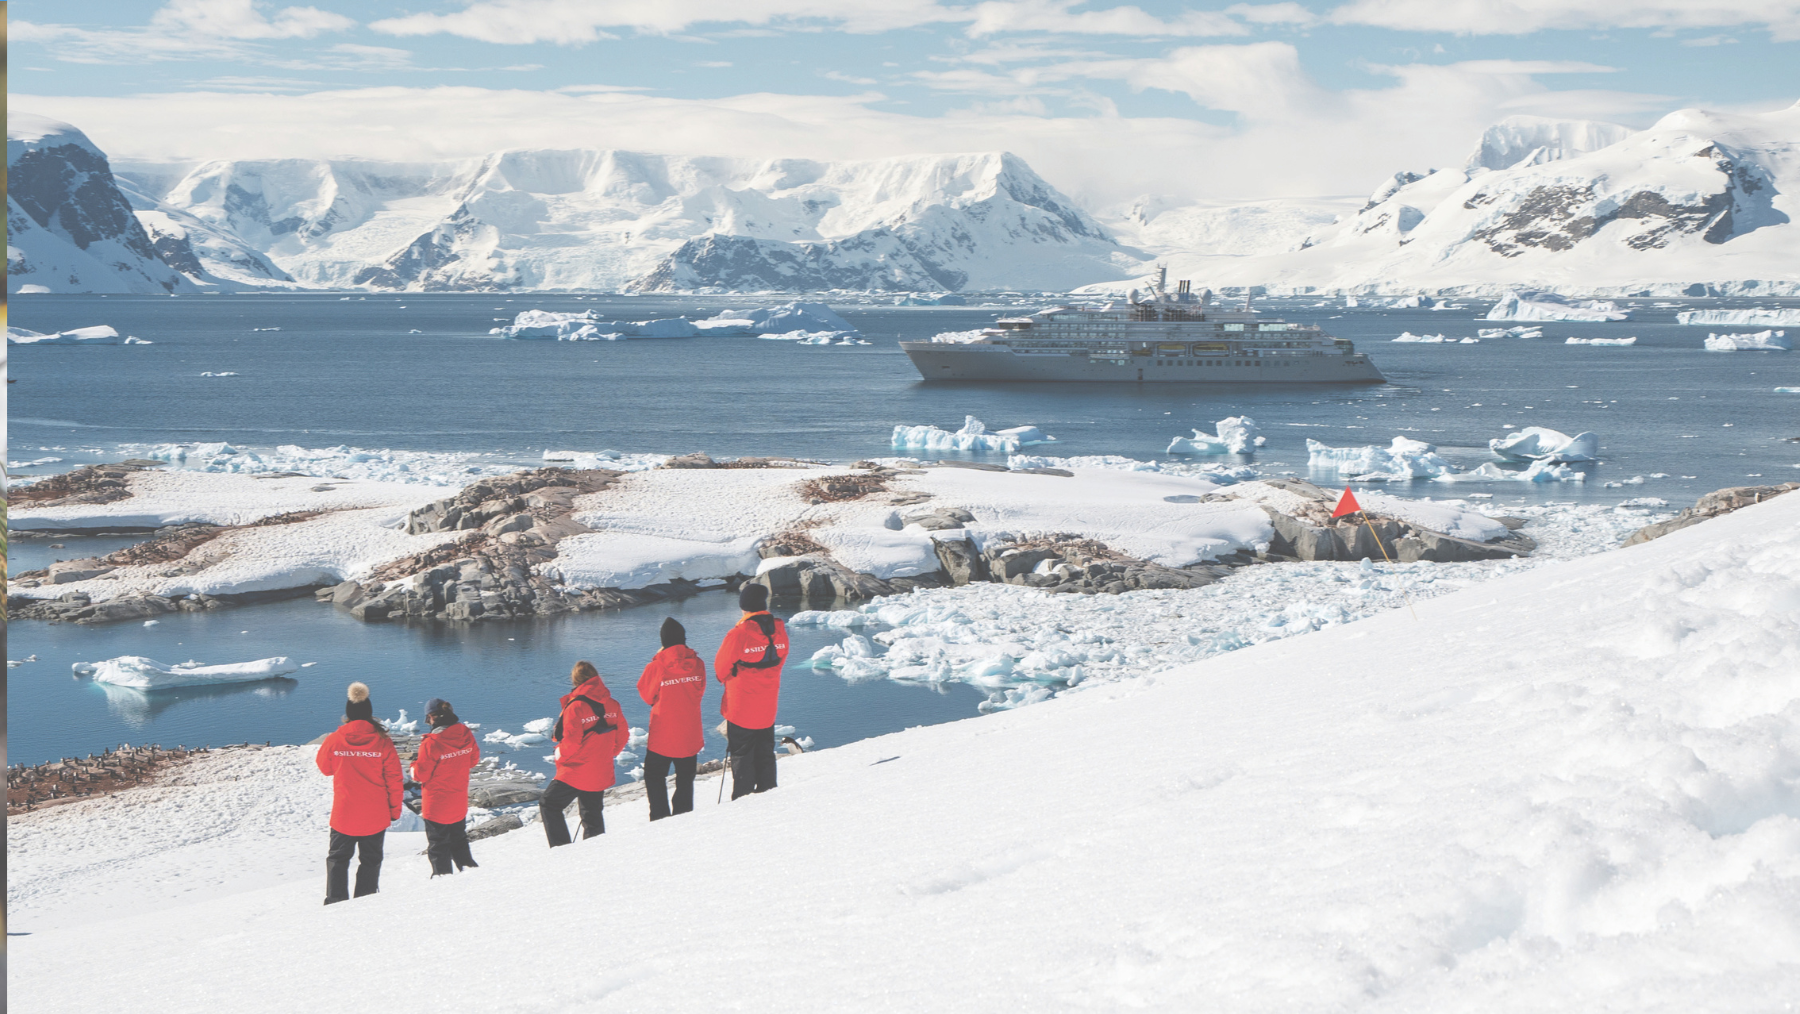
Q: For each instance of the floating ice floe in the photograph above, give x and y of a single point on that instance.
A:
(1761, 341)
(1542, 470)
(788, 318)
(1435, 339)
(1536, 443)
(340, 462)
(817, 337)
(1787, 390)
(609, 459)
(227, 373)
(536, 731)
(1602, 341)
(99, 334)
(1510, 332)
(1524, 304)
(139, 673)
(1215, 472)
(1234, 435)
(1404, 458)
(1781, 317)
(973, 436)
(33, 463)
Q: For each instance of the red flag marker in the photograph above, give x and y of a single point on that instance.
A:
(1346, 504)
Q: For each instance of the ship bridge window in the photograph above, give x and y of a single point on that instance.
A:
(1234, 327)
(1271, 327)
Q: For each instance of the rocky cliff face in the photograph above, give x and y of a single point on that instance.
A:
(69, 229)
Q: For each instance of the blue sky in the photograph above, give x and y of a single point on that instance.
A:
(1210, 101)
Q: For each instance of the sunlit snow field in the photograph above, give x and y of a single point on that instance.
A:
(449, 402)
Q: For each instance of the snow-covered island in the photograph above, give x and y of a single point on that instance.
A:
(555, 540)
(1467, 818)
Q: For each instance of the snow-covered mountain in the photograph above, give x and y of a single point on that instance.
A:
(1700, 202)
(612, 219)
(68, 228)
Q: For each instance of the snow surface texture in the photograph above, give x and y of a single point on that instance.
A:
(1536, 443)
(354, 535)
(1597, 815)
(973, 436)
(1741, 318)
(99, 334)
(1549, 306)
(141, 673)
(1761, 341)
(1234, 435)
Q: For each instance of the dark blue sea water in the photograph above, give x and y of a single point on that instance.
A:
(353, 372)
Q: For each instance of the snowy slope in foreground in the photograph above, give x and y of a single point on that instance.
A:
(1566, 790)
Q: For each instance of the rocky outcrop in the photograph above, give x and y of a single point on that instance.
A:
(89, 484)
(1720, 501)
(1310, 533)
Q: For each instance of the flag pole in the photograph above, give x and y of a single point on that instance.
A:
(1384, 555)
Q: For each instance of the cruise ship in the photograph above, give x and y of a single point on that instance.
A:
(1169, 337)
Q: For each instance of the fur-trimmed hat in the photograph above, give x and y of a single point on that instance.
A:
(358, 704)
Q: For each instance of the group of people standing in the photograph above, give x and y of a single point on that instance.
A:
(590, 732)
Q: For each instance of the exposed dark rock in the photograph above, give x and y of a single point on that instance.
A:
(89, 484)
(1719, 501)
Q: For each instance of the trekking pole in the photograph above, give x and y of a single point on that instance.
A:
(725, 766)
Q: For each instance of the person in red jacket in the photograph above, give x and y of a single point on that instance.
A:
(442, 771)
(365, 796)
(749, 665)
(673, 684)
(589, 733)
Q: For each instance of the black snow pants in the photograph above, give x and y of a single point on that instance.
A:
(752, 759)
(557, 796)
(368, 867)
(656, 783)
(448, 844)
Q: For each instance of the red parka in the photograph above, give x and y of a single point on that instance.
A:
(672, 685)
(365, 778)
(442, 771)
(584, 754)
(751, 671)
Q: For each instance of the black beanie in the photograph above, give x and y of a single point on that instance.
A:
(673, 633)
(754, 598)
(357, 705)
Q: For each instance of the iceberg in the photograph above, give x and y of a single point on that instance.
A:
(1525, 304)
(1510, 332)
(1536, 443)
(1543, 470)
(1405, 458)
(99, 334)
(139, 673)
(1783, 317)
(1761, 341)
(1234, 435)
(794, 316)
(973, 436)
(1602, 341)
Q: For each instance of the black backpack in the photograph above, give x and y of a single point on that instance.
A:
(602, 725)
(770, 657)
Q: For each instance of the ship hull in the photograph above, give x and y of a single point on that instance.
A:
(976, 361)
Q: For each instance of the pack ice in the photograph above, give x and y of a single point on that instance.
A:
(1535, 305)
(787, 319)
(973, 436)
(141, 673)
(1761, 341)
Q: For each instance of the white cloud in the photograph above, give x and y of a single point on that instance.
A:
(1521, 17)
(574, 22)
(1056, 16)
(184, 30)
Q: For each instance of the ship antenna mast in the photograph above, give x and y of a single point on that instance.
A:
(1162, 279)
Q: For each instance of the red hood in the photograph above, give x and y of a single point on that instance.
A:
(593, 688)
(455, 737)
(682, 659)
(360, 733)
